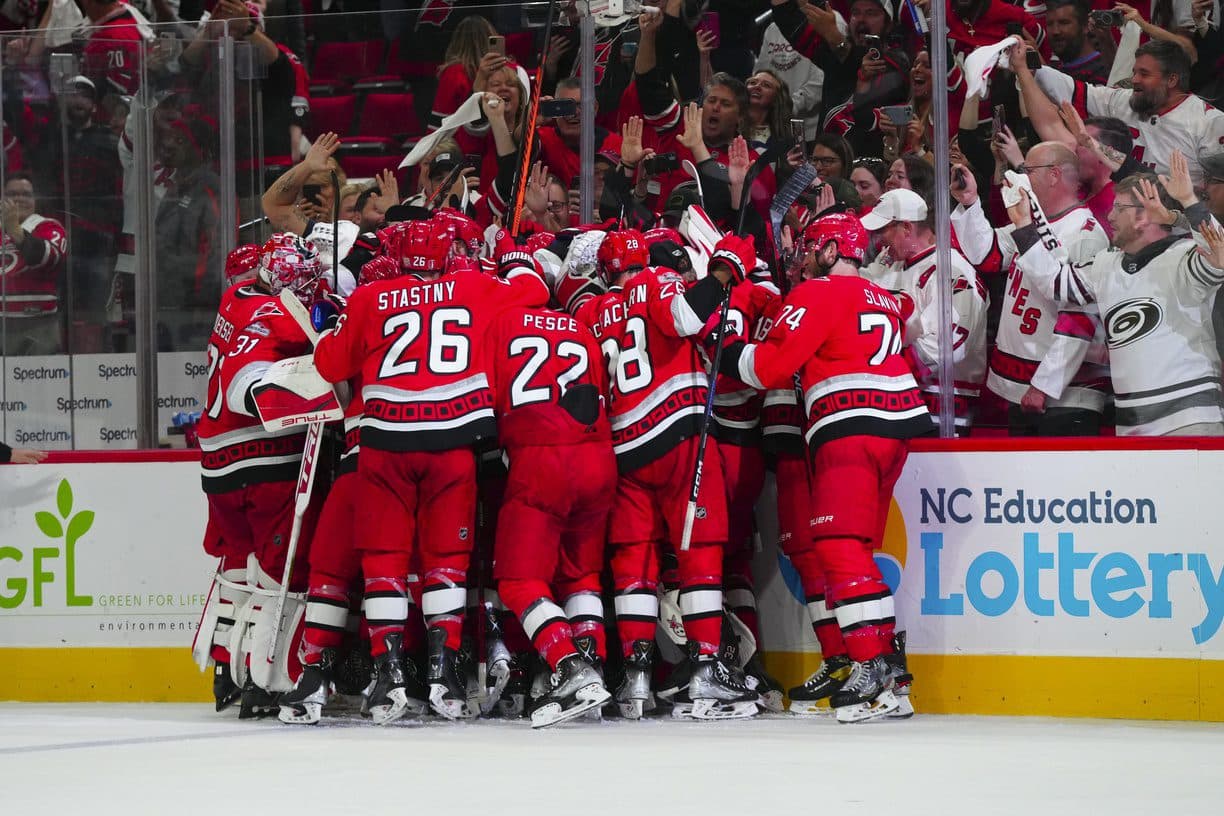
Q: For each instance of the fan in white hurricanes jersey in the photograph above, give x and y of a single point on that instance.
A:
(1154, 291)
(1039, 365)
(901, 221)
(1163, 116)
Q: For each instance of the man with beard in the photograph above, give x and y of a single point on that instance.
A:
(1066, 25)
(1162, 114)
(1155, 294)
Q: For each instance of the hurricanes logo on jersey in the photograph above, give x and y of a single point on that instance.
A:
(1132, 320)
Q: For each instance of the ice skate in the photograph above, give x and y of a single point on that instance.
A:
(766, 687)
(225, 692)
(256, 703)
(812, 698)
(866, 694)
(497, 663)
(898, 667)
(718, 690)
(513, 701)
(304, 704)
(633, 695)
(448, 693)
(388, 699)
(576, 689)
(586, 650)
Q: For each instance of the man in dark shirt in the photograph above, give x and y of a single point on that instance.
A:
(1067, 28)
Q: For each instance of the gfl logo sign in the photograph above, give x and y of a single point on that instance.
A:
(889, 559)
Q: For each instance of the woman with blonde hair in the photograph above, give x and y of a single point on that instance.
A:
(465, 68)
(770, 108)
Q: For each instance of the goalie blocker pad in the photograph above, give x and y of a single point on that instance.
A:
(291, 392)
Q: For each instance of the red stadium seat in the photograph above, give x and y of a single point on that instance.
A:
(362, 166)
(333, 113)
(347, 61)
(404, 67)
(391, 115)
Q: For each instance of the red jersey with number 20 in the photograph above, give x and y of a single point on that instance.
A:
(843, 335)
(658, 381)
(252, 331)
(533, 357)
(413, 342)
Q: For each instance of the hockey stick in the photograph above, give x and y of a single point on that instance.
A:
(335, 181)
(691, 169)
(519, 187)
(306, 477)
(767, 156)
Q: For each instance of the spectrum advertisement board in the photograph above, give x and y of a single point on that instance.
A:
(88, 401)
(1059, 553)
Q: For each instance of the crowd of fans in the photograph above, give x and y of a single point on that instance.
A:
(1093, 94)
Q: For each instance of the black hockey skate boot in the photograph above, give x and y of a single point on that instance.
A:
(633, 695)
(587, 651)
(575, 688)
(898, 667)
(388, 699)
(761, 681)
(304, 704)
(812, 698)
(866, 694)
(497, 662)
(225, 692)
(514, 699)
(256, 702)
(718, 690)
(447, 689)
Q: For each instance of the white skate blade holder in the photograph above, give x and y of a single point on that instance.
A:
(384, 714)
(881, 706)
(589, 697)
(450, 709)
(715, 710)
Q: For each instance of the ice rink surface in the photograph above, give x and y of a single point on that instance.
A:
(184, 759)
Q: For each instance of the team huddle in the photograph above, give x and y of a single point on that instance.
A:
(528, 443)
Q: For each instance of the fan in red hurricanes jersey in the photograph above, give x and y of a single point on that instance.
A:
(427, 403)
(647, 327)
(546, 374)
(842, 334)
(250, 474)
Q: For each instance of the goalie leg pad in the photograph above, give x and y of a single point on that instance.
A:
(228, 594)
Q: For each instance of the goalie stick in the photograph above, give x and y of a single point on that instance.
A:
(770, 154)
(305, 481)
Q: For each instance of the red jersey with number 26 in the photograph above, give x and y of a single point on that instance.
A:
(647, 335)
(533, 357)
(843, 335)
(252, 331)
(414, 343)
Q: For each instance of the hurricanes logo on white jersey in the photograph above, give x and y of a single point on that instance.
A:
(1132, 320)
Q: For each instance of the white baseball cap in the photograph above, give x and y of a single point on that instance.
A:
(895, 205)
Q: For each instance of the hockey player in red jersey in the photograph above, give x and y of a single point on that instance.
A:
(250, 474)
(335, 564)
(842, 334)
(427, 402)
(546, 374)
(647, 332)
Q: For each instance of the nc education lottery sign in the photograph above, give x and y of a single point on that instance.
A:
(1103, 553)
(102, 554)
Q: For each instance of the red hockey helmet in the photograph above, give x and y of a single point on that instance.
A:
(463, 230)
(622, 251)
(288, 261)
(844, 229)
(419, 247)
(242, 263)
(663, 234)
